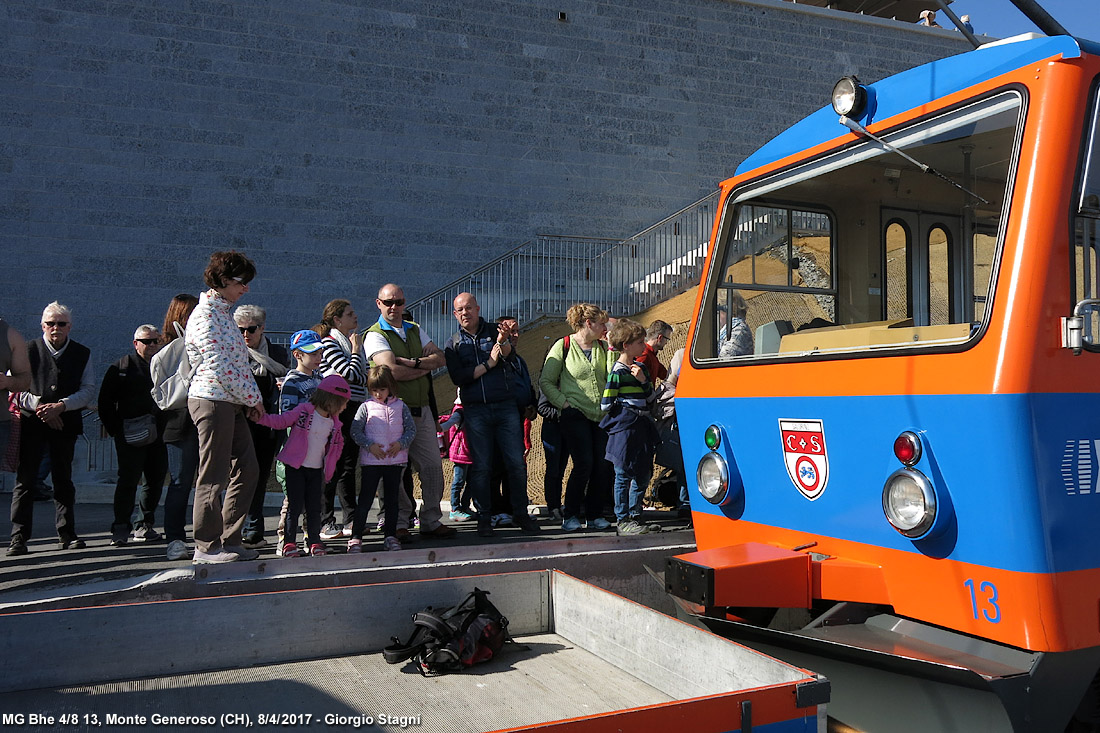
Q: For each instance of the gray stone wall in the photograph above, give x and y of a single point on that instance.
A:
(343, 144)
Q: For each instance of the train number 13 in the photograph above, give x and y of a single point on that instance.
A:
(985, 598)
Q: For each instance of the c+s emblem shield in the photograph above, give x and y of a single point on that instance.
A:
(804, 455)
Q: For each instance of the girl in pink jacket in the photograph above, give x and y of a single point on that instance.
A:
(459, 453)
(309, 456)
(384, 428)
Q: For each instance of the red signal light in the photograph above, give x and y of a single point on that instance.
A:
(907, 448)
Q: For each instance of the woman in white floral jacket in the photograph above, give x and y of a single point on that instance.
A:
(222, 388)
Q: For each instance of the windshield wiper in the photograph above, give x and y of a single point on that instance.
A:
(861, 130)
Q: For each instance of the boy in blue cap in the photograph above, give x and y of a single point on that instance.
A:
(299, 384)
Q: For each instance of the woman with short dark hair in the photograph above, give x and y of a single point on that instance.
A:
(222, 388)
(342, 354)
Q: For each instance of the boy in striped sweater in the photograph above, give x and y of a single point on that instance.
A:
(631, 433)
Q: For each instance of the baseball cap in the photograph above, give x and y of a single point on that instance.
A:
(305, 341)
(335, 384)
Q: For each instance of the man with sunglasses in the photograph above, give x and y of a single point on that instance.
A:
(61, 386)
(411, 356)
(125, 395)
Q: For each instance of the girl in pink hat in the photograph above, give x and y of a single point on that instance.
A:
(309, 456)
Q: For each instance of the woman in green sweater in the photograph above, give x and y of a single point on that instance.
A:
(573, 379)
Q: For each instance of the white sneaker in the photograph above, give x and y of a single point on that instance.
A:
(178, 550)
(332, 531)
(212, 558)
(571, 524)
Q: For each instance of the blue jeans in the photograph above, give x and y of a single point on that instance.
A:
(183, 464)
(460, 489)
(491, 428)
(629, 493)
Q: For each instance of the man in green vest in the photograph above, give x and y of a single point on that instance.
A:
(410, 354)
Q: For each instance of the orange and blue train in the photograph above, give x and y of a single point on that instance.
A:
(888, 405)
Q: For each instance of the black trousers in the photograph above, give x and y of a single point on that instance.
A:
(343, 481)
(266, 443)
(35, 439)
(150, 461)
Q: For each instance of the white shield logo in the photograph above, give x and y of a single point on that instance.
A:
(804, 455)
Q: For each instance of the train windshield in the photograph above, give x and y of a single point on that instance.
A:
(868, 248)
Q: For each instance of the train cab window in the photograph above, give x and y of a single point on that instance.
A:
(861, 250)
(1086, 228)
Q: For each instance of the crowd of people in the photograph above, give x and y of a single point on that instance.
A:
(208, 402)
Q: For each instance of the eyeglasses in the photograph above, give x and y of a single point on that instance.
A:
(55, 324)
(249, 329)
(392, 302)
(148, 342)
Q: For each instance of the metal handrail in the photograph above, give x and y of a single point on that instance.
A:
(543, 277)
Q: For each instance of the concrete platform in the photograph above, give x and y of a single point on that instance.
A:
(99, 574)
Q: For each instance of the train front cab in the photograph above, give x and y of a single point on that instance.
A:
(906, 433)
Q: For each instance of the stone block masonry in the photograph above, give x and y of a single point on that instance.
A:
(343, 144)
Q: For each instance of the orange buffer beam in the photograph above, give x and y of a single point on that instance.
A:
(750, 574)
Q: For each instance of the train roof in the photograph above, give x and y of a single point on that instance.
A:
(920, 85)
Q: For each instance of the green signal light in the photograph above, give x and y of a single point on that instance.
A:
(712, 437)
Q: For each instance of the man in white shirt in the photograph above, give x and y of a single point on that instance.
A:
(411, 355)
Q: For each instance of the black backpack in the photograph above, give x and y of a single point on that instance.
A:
(449, 641)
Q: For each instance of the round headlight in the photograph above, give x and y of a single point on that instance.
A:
(909, 502)
(713, 476)
(849, 97)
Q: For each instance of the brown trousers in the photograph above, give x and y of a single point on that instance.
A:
(227, 463)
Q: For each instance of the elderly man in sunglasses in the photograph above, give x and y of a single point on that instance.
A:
(411, 355)
(61, 386)
(132, 418)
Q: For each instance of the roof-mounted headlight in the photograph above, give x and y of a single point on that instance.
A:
(849, 97)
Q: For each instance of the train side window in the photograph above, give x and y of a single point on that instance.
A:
(779, 260)
(1086, 228)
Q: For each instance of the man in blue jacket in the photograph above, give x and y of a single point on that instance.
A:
(481, 362)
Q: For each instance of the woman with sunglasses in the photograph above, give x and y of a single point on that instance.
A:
(269, 363)
(342, 354)
(222, 388)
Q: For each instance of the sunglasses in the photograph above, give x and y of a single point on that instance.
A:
(56, 324)
(393, 302)
(148, 342)
(249, 329)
